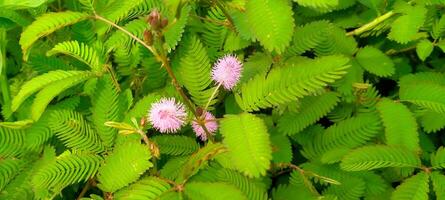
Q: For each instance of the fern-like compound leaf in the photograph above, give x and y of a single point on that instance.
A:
(400, 124)
(11, 142)
(9, 168)
(404, 28)
(68, 168)
(47, 24)
(438, 180)
(80, 51)
(415, 187)
(374, 157)
(204, 190)
(195, 70)
(431, 121)
(47, 94)
(300, 77)
(176, 144)
(438, 159)
(425, 95)
(42, 81)
(173, 32)
(199, 159)
(107, 106)
(347, 134)
(312, 108)
(424, 49)
(131, 159)
(75, 132)
(248, 143)
(149, 188)
(375, 61)
(247, 185)
(272, 22)
(309, 36)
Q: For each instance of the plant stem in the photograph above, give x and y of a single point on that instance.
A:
(85, 189)
(166, 64)
(150, 48)
(212, 96)
(371, 24)
(4, 86)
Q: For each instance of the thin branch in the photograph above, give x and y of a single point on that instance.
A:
(85, 189)
(150, 48)
(371, 24)
(374, 22)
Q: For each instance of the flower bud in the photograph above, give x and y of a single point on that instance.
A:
(164, 23)
(148, 37)
(154, 19)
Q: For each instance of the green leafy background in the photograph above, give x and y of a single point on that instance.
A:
(338, 99)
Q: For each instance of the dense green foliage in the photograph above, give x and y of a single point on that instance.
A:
(338, 99)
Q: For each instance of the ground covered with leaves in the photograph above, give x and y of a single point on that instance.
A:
(222, 99)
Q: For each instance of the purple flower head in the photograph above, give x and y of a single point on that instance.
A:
(167, 116)
(210, 124)
(227, 71)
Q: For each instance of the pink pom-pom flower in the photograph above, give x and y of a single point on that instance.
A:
(210, 124)
(227, 71)
(167, 115)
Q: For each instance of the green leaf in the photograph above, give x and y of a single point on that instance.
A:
(176, 144)
(272, 22)
(438, 159)
(173, 32)
(318, 3)
(281, 148)
(11, 142)
(47, 24)
(80, 51)
(139, 110)
(373, 4)
(47, 94)
(405, 27)
(194, 70)
(258, 63)
(131, 159)
(22, 4)
(68, 168)
(247, 140)
(74, 131)
(438, 181)
(400, 124)
(107, 106)
(297, 78)
(431, 121)
(424, 49)
(214, 191)
(413, 188)
(312, 108)
(375, 61)
(199, 159)
(42, 81)
(374, 157)
(148, 188)
(9, 168)
(350, 133)
(425, 95)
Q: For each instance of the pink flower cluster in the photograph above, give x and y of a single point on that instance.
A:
(168, 116)
(227, 71)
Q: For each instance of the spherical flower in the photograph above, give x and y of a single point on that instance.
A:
(210, 124)
(167, 115)
(227, 71)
